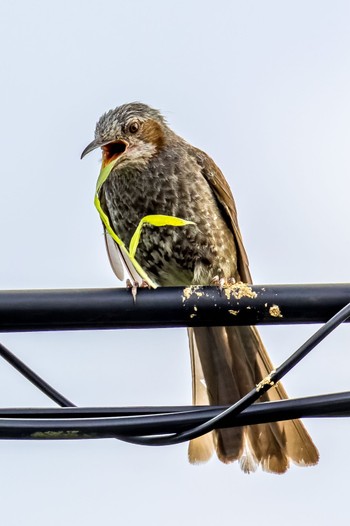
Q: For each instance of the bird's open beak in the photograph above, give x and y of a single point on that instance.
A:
(110, 149)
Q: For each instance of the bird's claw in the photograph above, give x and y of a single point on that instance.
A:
(134, 286)
(222, 283)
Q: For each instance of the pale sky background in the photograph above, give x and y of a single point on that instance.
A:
(263, 87)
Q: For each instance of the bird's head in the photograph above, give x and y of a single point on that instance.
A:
(130, 133)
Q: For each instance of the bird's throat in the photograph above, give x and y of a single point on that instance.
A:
(112, 151)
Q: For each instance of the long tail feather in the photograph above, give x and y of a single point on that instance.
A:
(229, 362)
(200, 449)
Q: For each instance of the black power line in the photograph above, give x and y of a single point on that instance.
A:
(127, 423)
(50, 310)
(88, 309)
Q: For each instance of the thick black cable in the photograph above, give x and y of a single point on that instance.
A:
(86, 309)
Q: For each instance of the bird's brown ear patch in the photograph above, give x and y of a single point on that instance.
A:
(152, 132)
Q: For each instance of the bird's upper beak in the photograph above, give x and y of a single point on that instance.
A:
(96, 143)
(110, 149)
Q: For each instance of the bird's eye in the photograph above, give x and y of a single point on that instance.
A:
(134, 127)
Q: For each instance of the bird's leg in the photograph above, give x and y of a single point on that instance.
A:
(135, 285)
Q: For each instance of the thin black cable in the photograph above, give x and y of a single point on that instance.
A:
(34, 378)
(255, 393)
(234, 410)
(326, 405)
(332, 405)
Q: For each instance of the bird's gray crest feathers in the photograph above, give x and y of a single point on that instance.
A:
(112, 121)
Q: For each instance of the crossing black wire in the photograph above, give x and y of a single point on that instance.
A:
(34, 378)
(254, 394)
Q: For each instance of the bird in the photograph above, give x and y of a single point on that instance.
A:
(148, 172)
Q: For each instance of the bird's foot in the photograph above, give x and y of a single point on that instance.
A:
(135, 285)
(223, 283)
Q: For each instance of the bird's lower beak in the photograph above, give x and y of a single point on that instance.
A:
(110, 149)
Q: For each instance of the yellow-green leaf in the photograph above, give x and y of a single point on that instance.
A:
(104, 173)
(155, 220)
(105, 221)
(137, 266)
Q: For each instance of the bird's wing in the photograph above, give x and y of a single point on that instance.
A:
(223, 194)
(247, 347)
(119, 259)
(114, 256)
